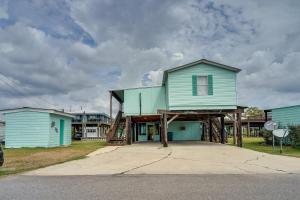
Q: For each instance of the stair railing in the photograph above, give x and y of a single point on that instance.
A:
(114, 126)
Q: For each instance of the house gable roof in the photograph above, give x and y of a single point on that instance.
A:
(202, 61)
(22, 109)
(119, 94)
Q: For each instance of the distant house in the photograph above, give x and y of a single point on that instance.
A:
(36, 127)
(285, 116)
(190, 104)
(91, 125)
(2, 126)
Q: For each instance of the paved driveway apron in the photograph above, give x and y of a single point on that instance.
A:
(178, 158)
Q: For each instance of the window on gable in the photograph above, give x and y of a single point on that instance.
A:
(202, 85)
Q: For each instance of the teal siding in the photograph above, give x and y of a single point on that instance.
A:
(210, 85)
(222, 84)
(143, 138)
(287, 116)
(26, 129)
(192, 130)
(54, 139)
(33, 129)
(167, 93)
(194, 85)
(152, 98)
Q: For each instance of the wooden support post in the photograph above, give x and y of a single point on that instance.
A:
(133, 131)
(128, 130)
(222, 131)
(239, 130)
(210, 131)
(110, 109)
(164, 133)
(204, 128)
(248, 129)
(266, 116)
(234, 129)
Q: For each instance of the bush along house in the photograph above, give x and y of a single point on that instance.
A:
(190, 105)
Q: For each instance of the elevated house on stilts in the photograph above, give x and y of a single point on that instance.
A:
(190, 105)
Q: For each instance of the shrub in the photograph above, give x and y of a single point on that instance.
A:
(268, 137)
(294, 135)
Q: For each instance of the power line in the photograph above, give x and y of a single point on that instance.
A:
(13, 93)
(24, 94)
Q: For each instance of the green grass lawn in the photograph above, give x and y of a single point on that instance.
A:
(257, 144)
(24, 159)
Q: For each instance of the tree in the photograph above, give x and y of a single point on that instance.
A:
(252, 112)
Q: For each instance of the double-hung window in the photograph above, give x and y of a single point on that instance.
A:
(202, 85)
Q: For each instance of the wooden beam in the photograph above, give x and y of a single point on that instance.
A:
(248, 129)
(239, 130)
(222, 130)
(172, 119)
(110, 109)
(196, 112)
(210, 131)
(165, 131)
(128, 130)
(234, 129)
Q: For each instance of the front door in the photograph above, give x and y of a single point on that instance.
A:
(61, 131)
(150, 132)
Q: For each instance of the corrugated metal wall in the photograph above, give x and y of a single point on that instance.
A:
(287, 116)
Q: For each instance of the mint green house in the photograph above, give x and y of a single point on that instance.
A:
(190, 104)
(36, 127)
(285, 116)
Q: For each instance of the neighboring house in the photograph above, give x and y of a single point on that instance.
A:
(2, 126)
(91, 125)
(36, 127)
(285, 116)
(190, 104)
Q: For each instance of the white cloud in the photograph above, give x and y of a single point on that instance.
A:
(130, 44)
(3, 9)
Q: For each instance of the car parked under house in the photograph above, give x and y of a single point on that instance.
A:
(190, 104)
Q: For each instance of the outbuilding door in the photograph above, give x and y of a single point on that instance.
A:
(61, 131)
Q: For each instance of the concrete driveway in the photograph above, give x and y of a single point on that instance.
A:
(178, 158)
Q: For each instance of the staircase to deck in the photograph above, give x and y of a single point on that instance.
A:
(116, 134)
(216, 129)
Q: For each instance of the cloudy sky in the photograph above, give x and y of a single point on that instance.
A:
(68, 54)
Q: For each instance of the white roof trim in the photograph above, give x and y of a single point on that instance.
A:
(51, 111)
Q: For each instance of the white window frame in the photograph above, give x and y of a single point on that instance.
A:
(201, 86)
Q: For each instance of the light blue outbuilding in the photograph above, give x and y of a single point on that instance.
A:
(285, 116)
(36, 127)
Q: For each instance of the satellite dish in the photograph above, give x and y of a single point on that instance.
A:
(281, 133)
(270, 125)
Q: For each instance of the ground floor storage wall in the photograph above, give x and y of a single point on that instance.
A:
(177, 131)
(185, 130)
